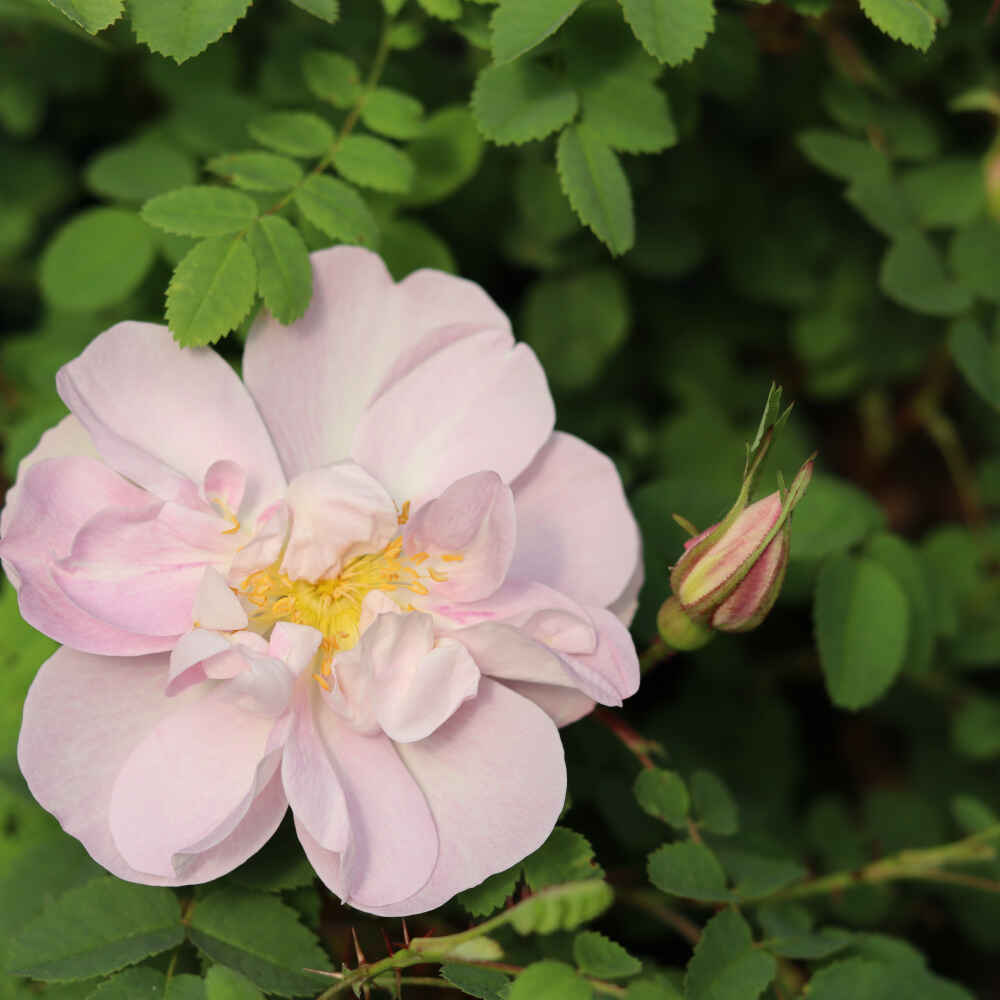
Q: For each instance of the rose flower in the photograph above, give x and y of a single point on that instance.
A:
(367, 583)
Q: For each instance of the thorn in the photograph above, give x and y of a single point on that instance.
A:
(357, 948)
(406, 933)
(388, 943)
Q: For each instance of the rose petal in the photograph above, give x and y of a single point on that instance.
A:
(124, 390)
(466, 408)
(495, 778)
(216, 606)
(575, 531)
(469, 533)
(613, 667)
(313, 379)
(562, 705)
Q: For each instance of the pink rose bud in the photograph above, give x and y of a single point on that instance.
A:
(730, 575)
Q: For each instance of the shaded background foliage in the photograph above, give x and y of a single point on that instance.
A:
(676, 206)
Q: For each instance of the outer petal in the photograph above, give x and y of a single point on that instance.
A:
(55, 497)
(575, 531)
(338, 512)
(393, 839)
(469, 534)
(162, 414)
(313, 379)
(561, 704)
(188, 782)
(614, 665)
(83, 718)
(141, 568)
(466, 408)
(495, 778)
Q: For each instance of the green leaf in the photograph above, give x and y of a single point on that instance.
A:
(843, 156)
(977, 358)
(66, 942)
(973, 254)
(519, 25)
(391, 112)
(628, 110)
(475, 982)
(947, 192)
(446, 155)
(183, 28)
(186, 987)
(755, 875)
(725, 964)
(91, 15)
(550, 980)
(337, 209)
(261, 938)
(211, 291)
(657, 987)
(597, 188)
(663, 794)
(561, 907)
(522, 100)
(833, 516)
(576, 324)
(407, 245)
(862, 625)
(904, 564)
(690, 870)
(133, 984)
(297, 133)
(848, 979)
(201, 210)
(670, 30)
(136, 171)
(325, 10)
(279, 864)
(713, 804)
(596, 955)
(972, 814)
(374, 163)
(445, 10)
(881, 202)
(227, 984)
(96, 259)
(483, 899)
(284, 274)
(909, 21)
(565, 857)
(975, 728)
(913, 275)
(256, 171)
(332, 77)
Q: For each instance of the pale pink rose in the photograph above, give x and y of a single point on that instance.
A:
(368, 584)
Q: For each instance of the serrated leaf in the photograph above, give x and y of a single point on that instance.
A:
(261, 938)
(332, 77)
(565, 857)
(183, 28)
(256, 171)
(628, 110)
(284, 274)
(843, 156)
(862, 623)
(663, 794)
(444, 10)
(136, 171)
(297, 133)
(657, 987)
(211, 291)
(597, 188)
(909, 21)
(848, 979)
(689, 870)
(227, 984)
(66, 942)
(520, 25)
(96, 259)
(325, 10)
(833, 516)
(552, 981)
(561, 907)
(279, 864)
(522, 100)
(913, 275)
(596, 955)
(374, 163)
(391, 112)
(91, 15)
(483, 899)
(725, 964)
(200, 210)
(484, 984)
(948, 192)
(670, 30)
(446, 155)
(337, 209)
(132, 984)
(186, 987)
(973, 256)
(755, 875)
(713, 803)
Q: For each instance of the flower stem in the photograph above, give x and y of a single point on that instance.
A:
(657, 652)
